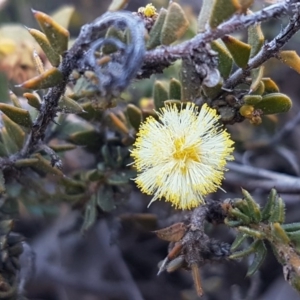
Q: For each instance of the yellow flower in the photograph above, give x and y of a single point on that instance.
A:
(182, 158)
(149, 10)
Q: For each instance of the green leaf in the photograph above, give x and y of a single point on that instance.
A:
(236, 213)
(154, 35)
(225, 59)
(175, 89)
(245, 252)
(175, 25)
(252, 232)
(255, 39)
(33, 100)
(239, 239)
(253, 206)
(256, 75)
(274, 103)
(212, 92)
(57, 35)
(294, 236)
(26, 162)
(85, 138)
(259, 257)
(291, 227)
(69, 106)
(204, 15)
(18, 115)
(63, 147)
(45, 166)
(222, 10)
(44, 43)
(240, 51)
(90, 214)
(278, 211)
(10, 146)
(49, 78)
(90, 113)
(119, 178)
(134, 116)
(160, 94)
(279, 234)
(14, 99)
(14, 131)
(269, 206)
(105, 199)
(252, 99)
(191, 83)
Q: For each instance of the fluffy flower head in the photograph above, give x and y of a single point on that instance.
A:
(182, 158)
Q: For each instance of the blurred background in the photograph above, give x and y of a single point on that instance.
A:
(118, 257)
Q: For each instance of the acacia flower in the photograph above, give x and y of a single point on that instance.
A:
(181, 157)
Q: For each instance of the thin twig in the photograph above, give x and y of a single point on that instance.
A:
(268, 51)
(285, 130)
(269, 179)
(166, 55)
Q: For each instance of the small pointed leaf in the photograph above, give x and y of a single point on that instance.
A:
(14, 131)
(18, 115)
(225, 59)
(256, 76)
(240, 51)
(45, 166)
(255, 39)
(175, 89)
(42, 40)
(269, 206)
(278, 211)
(239, 239)
(90, 214)
(279, 233)
(26, 162)
(10, 146)
(160, 94)
(57, 35)
(253, 206)
(175, 25)
(69, 106)
(259, 257)
(222, 10)
(85, 138)
(33, 100)
(105, 199)
(45, 80)
(154, 35)
(134, 116)
(204, 15)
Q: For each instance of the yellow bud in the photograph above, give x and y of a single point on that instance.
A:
(246, 110)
